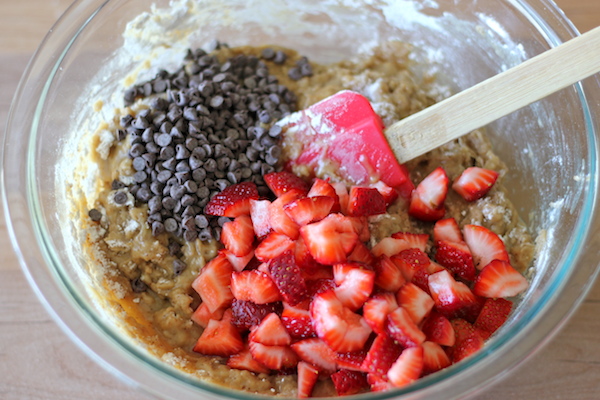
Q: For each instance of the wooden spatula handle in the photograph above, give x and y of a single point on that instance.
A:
(496, 97)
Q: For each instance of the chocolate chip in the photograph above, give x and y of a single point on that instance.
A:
(95, 215)
(138, 286)
(157, 228)
(178, 267)
(171, 225)
(120, 198)
(280, 57)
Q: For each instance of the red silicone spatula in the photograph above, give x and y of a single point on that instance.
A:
(343, 132)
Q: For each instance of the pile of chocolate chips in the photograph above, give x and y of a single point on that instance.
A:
(209, 125)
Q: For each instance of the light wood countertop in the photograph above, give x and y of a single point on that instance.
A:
(38, 361)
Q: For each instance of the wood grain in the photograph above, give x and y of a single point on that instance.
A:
(38, 361)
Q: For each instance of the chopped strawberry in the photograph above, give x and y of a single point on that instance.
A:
(361, 226)
(387, 274)
(297, 322)
(381, 356)
(452, 298)
(244, 360)
(272, 246)
(348, 382)
(330, 240)
(246, 314)
(238, 263)
(499, 279)
(415, 301)
(354, 284)
(337, 325)
(438, 329)
(279, 219)
(219, 338)
(415, 240)
(474, 183)
(304, 259)
(379, 383)
(416, 266)
(427, 201)
(273, 357)
(390, 247)
(319, 286)
(309, 209)
(202, 315)
(365, 201)
(288, 278)
(457, 258)
(492, 316)
(447, 229)
(403, 329)
(233, 201)
(322, 187)
(485, 245)
(259, 213)
(316, 352)
(389, 194)
(238, 235)
(362, 254)
(254, 286)
(351, 360)
(284, 182)
(342, 191)
(407, 368)
(271, 332)
(376, 310)
(468, 340)
(434, 358)
(212, 283)
(307, 378)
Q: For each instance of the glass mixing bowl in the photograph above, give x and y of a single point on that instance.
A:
(550, 146)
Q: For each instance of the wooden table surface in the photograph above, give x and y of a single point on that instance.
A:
(38, 361)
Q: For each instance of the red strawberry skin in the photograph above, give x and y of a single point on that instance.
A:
(348, 382)
(457, 258)
(364, 202)
(383, 353)
(474, 183)
(233, 201)
(288, 278)
(492, 316)
(427, 201)
(284, 182)
(246, 314)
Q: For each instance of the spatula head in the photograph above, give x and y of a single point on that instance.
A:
(343, 133)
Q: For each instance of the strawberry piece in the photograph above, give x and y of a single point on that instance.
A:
(447, 229)
(438, 329)
(389, 194)
(212, 283)
(427, 201)
(415, 301)
(284, 182)
(387, 274)
(279, 219)
(337, 325)
(381, 356)
(410, 261)
(232, 201)
(307, 378)
(288, 278)
(452, 298)
(244, 360)
(316, 352)
(342, 192)
(379, 383)
(319, 286)
(273, 246)
(271, 332)
(322, 187)
(414, 240)
(485, 245)
(361, 254)
(457, 258)
(352, 360)
(309, 209)
(468, 340)
(219, 338)
(330, 240)
(246, 314)
(499, 279)
(365, 201)
(304, 259)
(259, 213)
(238, 235)
(238, 263)
(254, 286)
(361, 227)
(403, 329)
(348, 382)
(376, 310)
(474, 183)
(390, 247)
(202, 315)
(297, 322)
(273, 357)
(354, 284)
(434, 358)
(493, 315)
(407, 368)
